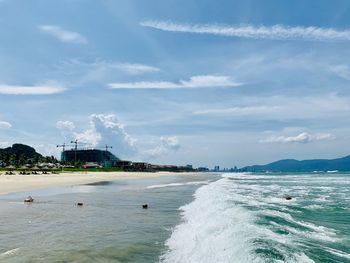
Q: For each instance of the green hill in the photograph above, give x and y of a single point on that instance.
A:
(20, 154)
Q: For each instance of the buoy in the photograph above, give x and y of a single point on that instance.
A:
(29, 199)
(79, 204)
(145, 206)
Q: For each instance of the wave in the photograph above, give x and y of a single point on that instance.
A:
(313, 231)
(338, 253)
(10, 252)
(217, 227)
(207, 226)
(177, 184)
(245, 218)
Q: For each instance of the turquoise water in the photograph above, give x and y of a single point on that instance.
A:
(246, 218)
(228, 218)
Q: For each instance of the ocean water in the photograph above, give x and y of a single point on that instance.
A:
(110, 227)
(211, 218)
(246, 218)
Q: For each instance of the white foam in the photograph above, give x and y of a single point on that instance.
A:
(302, 258)
(226, 221)
(338, 253)
(212, 231)
(164, 185)
(322, 236)
(10, 252)
(177, 184)
(314, 207)
(315, 231)
(216, 229)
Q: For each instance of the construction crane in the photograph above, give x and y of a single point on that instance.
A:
(75, 143)
(63, 146)
(108, 146)
(75, 151)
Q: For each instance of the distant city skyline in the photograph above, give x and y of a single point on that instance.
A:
(207, 83)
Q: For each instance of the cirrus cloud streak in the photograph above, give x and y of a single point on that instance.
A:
(5, 125)
(275, 32)
(203, 81)
(30, 90)
(250, 110)
(63, 35)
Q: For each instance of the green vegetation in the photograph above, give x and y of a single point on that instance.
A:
(26, 160)
(20, 155)
(90, 170)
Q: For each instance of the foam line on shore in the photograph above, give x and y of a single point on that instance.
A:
(10, 252)
(176, 184)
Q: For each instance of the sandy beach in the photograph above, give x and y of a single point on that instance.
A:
(20, 183)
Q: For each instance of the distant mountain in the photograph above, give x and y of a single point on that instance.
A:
(21, 149)
(291, 165)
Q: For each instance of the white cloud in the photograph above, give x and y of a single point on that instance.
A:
(330, 107)
(250, 110)
(204, 81)
(48, 149)
(30, 90)
(105, 67)
(90, 137)
(277, 32)
(167, 144)
(5, 144)
(63, 35)
(105, 129)
(78, 72)
(342, 71)
(303, 137)
(5, 125)
(171, 142)
(135, 69)
(65, 125)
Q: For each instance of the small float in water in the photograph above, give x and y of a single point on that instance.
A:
(29, 199)
(288, 197)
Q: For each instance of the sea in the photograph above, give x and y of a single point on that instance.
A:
(204, 218)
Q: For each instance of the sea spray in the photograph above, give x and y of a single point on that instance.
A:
(245, 218)
(212, 229)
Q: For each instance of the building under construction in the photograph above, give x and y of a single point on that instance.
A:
(94, 158)
(104, 158)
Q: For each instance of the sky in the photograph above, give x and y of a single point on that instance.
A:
(201, 82)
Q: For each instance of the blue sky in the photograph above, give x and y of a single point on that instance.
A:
(176, 82)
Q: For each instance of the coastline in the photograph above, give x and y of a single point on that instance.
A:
(21, 183)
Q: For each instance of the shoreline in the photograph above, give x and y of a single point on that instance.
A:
(24, 183)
